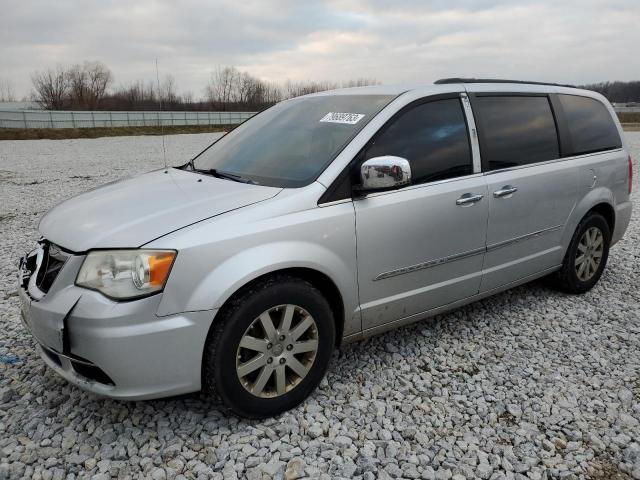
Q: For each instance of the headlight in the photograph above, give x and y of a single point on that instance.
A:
(126, 274)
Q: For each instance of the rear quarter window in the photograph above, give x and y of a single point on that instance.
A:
(590, 125)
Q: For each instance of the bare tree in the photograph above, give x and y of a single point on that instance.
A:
(134, 96)
(187, 98)
(272, 93)
(99, 77)
(78, 87)
(7, 93)
(51, 88)
(230, 89)
(220, 90)
(86, 86)
(296, 89)
(167, 92)
(360, 82)
(622, 92)
(247, 88)
(131, 94)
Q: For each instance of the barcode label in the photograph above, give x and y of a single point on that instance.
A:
(348, 118)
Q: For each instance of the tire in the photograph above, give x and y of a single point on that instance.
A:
(242, 319)
(567, 278)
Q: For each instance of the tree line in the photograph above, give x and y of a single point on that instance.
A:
(89, 86)
(79, 87)
(617, 92)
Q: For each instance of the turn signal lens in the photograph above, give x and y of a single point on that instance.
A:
(160, 266)
(152, 269)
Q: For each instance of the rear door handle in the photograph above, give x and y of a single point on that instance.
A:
(505, 191)
(468, 199)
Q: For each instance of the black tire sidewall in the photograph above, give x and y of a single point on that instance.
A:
(575, 284)
(254, 303)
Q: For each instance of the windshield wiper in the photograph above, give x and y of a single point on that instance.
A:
(220, 174)
(228, 176)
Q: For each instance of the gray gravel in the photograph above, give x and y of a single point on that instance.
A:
(528, 384)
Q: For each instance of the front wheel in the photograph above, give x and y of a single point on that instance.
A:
(269, 347)
(586, 256)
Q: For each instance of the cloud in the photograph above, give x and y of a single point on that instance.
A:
(402, 41)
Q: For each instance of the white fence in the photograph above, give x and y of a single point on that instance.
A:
(627, 109)
(78, 119)
(84, 119)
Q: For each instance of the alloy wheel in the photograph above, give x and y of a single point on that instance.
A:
(277, 351)
(589, 253)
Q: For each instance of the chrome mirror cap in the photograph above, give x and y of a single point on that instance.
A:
(381, 173)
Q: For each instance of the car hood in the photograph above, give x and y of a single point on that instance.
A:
(134, 211)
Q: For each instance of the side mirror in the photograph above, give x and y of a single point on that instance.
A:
(383, 173)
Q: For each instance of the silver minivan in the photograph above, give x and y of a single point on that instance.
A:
(322, 220)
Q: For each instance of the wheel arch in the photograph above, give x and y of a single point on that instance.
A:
(318, 279)
(607, 211)
(568, 277)
(599, 200)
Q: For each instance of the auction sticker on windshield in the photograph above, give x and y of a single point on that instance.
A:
(348, 118)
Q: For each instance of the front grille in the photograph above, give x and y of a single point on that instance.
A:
(52, 262)
(47, 269)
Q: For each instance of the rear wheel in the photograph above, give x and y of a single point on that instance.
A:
(270, 347)
(586, 256)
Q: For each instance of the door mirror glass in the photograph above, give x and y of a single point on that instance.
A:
(382, 173)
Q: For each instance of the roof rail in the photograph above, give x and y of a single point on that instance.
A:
(495, 80)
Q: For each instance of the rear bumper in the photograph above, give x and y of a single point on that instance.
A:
(121, 350)
(623, 217)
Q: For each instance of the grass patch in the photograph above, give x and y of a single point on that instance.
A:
(66, 133)
(629, 117)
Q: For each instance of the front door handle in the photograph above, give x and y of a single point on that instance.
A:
(468, 199)
(505, 191)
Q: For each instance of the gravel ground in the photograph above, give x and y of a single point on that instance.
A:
(528, 384)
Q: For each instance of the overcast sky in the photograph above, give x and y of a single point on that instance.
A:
(574, 41)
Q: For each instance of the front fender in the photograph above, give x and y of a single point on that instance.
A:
(217, 257)
(245, 266)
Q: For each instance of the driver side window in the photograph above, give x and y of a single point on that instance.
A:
(433, 137)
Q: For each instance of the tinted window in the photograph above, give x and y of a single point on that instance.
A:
(517, 130)
(590, 124)
(291, 143)
(433, 137)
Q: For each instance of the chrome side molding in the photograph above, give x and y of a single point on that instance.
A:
(429, 264)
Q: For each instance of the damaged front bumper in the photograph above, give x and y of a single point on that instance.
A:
(117, 349)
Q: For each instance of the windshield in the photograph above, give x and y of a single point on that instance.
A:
(291, 143)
